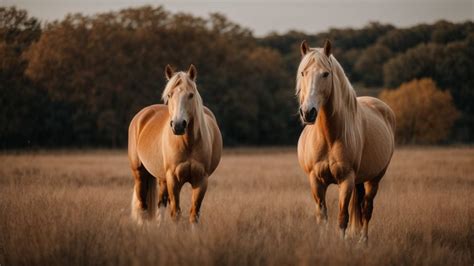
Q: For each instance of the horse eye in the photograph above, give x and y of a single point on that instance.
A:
(302, 73)
(325, 74)
(169, 95)
(191, 95)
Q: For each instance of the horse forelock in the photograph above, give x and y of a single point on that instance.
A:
(314, 56)
(176, 80)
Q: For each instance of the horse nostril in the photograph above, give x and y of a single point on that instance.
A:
(312, 114)
(301, 112)
(184, 123)
(171, 123)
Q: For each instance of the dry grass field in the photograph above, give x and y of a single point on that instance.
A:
(72, 208)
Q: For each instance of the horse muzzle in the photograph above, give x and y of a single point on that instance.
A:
(308, 117)
(178, 127)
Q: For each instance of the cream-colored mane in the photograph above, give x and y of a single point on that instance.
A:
(349, 142)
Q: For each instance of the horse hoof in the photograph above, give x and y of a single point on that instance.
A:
(161, 215)
(321, 221)
(342, 234)
(139, 217)
(323, 226)
(363, 240)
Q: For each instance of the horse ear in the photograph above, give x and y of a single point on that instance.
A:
(327, 47)
(304, 48)
(192, 72)
(169, 72)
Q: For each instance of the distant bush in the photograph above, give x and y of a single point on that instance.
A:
(424, 113)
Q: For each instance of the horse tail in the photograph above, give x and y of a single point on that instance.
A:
(355, 208)
(144, 199)
(151, 196)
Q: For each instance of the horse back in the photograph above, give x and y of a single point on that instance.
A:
(380, 108)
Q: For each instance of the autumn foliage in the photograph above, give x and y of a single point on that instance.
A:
(425, 114)
(78, 81)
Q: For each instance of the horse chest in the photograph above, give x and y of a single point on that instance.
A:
(330, 166)
(322, 171)
(189, 170)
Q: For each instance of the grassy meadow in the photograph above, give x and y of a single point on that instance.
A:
(73, 208)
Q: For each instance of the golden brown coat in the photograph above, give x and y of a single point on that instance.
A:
(173, 144)
(347, 140)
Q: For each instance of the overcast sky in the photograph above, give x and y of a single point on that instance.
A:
(264, 16)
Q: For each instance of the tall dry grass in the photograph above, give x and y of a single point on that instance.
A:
(71, 208)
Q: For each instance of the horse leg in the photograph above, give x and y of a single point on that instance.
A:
(163, 200)
(144, 195)
(318, 189)
(371, 188)
(345, 192)
(199, 190)
(174, 188)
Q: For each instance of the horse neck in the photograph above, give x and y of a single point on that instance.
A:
(335, 120)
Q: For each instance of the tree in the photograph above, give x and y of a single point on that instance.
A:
(417, 62)
(424, 113)
(78, 81)
(450, 66)
(23, 104)
(369, 65)
(446, 32)
(400, 40)
(107, 67)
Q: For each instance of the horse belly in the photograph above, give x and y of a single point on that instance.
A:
(216, 144)
(145, 133)
(151, 155)
(153, 162)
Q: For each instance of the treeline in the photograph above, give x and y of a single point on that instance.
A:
(79, 81)
(382, 56)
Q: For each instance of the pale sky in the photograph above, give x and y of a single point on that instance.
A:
(264, 16)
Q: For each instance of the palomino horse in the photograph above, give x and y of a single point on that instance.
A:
(347, 140)
(174, 143)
